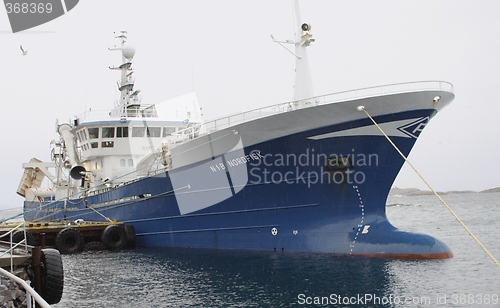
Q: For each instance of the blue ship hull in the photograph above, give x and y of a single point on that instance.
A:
(314, 190)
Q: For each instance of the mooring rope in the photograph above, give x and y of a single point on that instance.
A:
(102, 215)
(362, 108)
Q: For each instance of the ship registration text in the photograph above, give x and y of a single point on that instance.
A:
(237, 161)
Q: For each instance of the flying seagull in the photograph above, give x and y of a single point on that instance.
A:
(24, 52)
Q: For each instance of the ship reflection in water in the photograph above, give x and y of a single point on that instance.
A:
(173, 277)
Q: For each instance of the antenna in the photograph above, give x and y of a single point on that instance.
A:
(285, 42)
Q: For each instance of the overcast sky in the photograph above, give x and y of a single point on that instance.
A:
(222, 50)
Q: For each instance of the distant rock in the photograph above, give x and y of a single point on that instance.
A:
(491, 190)
(417, 192)
(402, 191)
(409, 192)
(461, 192)
(424, 193)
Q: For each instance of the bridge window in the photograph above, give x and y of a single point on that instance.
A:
(94, 132)
(83, 135)
(153, 132)
(168, 130)
(108, 132)
(78, 136)
(94, 145)
(108, 144)
(138, 131)
(122, 132)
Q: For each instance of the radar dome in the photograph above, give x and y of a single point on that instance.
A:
(128, 52)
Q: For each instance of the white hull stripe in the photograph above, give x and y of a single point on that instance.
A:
(409, 128)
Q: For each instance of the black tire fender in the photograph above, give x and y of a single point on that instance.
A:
(69, 240)
(19, 236)
(114, 237)
(94, 246)
(52, 276)
(130, 230)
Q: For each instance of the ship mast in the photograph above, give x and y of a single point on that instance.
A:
(303, 38)
(128, 97)
(303, 89)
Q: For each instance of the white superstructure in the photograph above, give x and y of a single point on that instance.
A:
(111, 147)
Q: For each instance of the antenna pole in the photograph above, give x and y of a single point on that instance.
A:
(126, 82)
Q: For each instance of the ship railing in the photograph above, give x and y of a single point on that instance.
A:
(31, 294)
(32, 297)
(228, 121)
(143, 113)
(13, 247)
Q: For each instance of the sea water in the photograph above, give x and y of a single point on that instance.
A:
(163, 277)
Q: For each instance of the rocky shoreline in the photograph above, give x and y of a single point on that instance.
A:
(11, 294)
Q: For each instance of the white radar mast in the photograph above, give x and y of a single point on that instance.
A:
(303, 88)
(129, 98)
